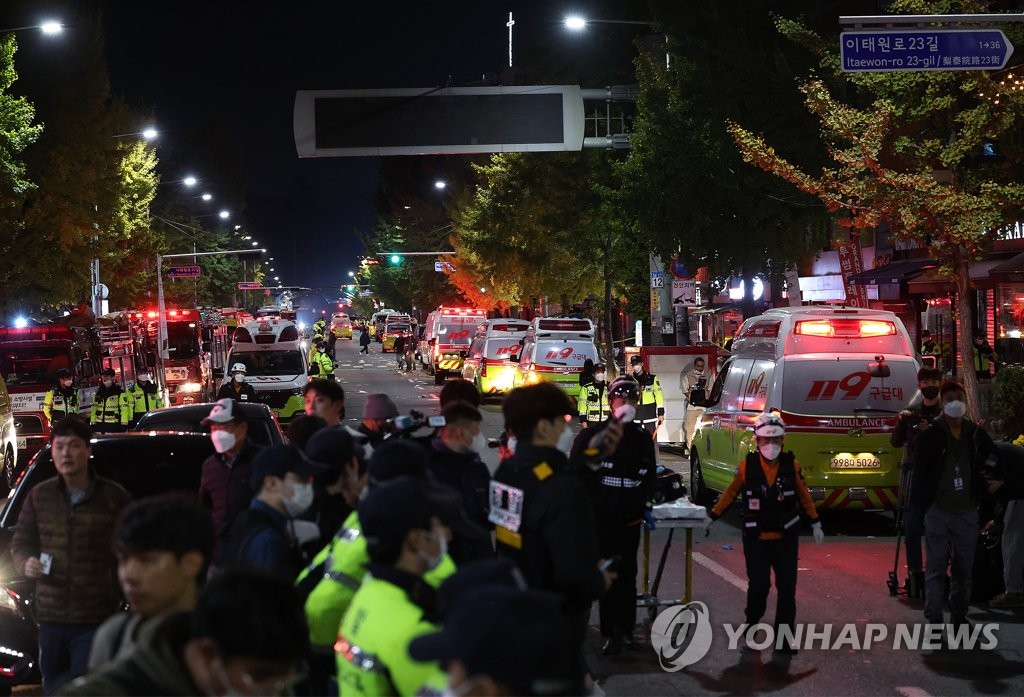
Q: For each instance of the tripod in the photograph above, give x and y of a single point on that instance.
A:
(906, 480)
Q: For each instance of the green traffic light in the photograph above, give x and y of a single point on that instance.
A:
(396, 259)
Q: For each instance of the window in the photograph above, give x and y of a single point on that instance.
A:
(33, 365)
(265, 363)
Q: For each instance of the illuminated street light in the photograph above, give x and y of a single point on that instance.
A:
(50, 28)
(351, 273)
(224, 215)
(440, 184)
(575, 22)
(189, 181)
(255, 243)
(207, 197)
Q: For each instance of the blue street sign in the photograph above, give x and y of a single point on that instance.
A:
(912, 50)
(443, 266)
(185, 271)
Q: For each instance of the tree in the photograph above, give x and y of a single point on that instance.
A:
(910, 155)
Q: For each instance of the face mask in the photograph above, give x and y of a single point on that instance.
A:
(144, 377)
(239, 377)
(300, 501)
(479, 444)
(625, 413)
(698, 369)
(637, 369)
(512, 444)
(565, 440)
(108, 383)
(770, 451)
(599, 377)
(434, 562)
(223, 441)
(65, 383)
(930, 392)
(955, 409)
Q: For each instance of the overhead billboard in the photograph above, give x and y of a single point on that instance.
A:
(438, 121)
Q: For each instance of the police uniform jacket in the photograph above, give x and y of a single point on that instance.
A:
(544, 521)
(60, 402)
(242, 391)
(624, 482)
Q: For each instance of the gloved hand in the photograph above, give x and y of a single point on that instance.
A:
(708, 522)
(650, 522)
(819, 535)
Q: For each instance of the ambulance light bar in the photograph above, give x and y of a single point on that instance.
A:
(846, 328)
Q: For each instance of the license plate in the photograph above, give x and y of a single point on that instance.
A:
(856, 463)
(22, 443)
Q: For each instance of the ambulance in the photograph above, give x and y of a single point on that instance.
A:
(395, 325)
(554, 350)
(838, 377)
(489, 365)
(446, 338)
(275, 364)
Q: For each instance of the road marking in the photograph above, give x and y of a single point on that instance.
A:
(907, 691)
(720, 571)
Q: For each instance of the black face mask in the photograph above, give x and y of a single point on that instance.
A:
(930, 392)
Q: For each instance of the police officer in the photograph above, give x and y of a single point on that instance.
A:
(621, 488)
(61, 400)
(593, 399)
(650, 412)
(983, 356)
(774, 492)
(319, 329)
(144, 396)
(236, 387)
(111, 409)
(321, 366)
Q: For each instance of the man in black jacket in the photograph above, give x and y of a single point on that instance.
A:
(947, 485)
(540, 506)
(1005, 481)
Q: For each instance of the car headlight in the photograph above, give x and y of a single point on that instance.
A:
(190, 387)
(7, 602)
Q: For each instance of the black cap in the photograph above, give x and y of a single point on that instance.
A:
(108, 371)
(63, 373)
(397, 457)
(636, 359)
(493, 632)
(278, 460)
(331, 446)
(390, 511)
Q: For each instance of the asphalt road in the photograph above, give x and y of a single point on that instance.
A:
(841, 582)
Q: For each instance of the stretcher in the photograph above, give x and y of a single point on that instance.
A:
(678, 514)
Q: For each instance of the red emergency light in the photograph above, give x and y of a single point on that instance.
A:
(564, 325)
(846, 328)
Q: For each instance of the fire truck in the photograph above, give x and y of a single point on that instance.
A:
(447, 335)
(197, 353)
(29, 360)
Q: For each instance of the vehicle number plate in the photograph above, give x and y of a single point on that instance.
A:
(856, 463)
(22, 443)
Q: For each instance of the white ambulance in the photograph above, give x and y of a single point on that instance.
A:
(554, 350)
(275, 364)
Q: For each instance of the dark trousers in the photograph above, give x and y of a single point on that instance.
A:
(365, 348)
(63, 653)
(763, 557)
(617, 607)
(951, 539)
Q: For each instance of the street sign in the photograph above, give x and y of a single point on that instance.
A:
(185, 271)
(881, 50)
(443, 266)
(684, 292)
(678, 268)
(657, 279)
(365, 293)
(248, 285)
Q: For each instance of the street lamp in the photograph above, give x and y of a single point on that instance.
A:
(49, 27)
(224, 215)
(577, 23)
(440, 184)
(207, 197)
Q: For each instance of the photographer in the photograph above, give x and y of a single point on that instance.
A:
(1004, 478)
(378, 412)
(913, 421)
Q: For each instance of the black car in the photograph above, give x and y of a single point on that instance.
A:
(263, 426)
(144, 464)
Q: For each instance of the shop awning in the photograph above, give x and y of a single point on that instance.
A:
(893, 273)
(1009, 271)
(714, 308)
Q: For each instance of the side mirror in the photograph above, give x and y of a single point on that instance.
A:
(879, 368)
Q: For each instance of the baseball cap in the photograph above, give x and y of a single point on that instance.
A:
(279, 460)
(330, 446)
(636, 359)
(224, 411)
(379, 406)
(397, 457)
(493, 632)
(63, 373)
(390, 511)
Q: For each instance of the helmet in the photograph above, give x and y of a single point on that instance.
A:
(624, 386)
(238, 368)
(769, 425)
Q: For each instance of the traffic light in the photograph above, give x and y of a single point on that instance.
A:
(350, 287)
(396, 259)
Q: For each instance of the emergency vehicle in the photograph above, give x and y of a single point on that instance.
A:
(29, 360)
(838, 377)
(341, 325)
(275, 364)
(394, 325)
(376, 325)
(554, 350)
(447, 335)
(196, 350)
(489, 365)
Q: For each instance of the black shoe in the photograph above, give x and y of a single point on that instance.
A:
(915, 585)
(612, 646)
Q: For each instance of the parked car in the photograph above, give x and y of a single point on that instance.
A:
(144, 464)
(263, 426)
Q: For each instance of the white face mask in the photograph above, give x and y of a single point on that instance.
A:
(599, 377)
(239, 377)
(65, 383)
(637, 369)
(108, 383)
(300, 501)
(565, 440)
(698, 369)
(625, 413)
(432, 561)
(512, 444)
(144, 377)
(955, 409)
(479, 444)
(223, 441)
(770, 451)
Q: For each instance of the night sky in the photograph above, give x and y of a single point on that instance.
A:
(229, 70)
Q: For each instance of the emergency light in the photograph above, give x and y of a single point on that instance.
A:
(845, 328)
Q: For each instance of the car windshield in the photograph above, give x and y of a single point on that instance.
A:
(265, 363)
(182, 340)
(33, 365)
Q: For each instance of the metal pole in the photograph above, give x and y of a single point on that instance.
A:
(161, 335)
(97, 302)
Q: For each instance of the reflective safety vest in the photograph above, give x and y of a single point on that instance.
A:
(58, 405)
(322, 366)
(593, 402)
(343, 566)
(981, 360)
(141, 401)
(113, 409)
(652, 401)
(774, 508)
(372, 648)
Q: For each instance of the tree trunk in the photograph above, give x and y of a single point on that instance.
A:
(965, 337)
(609, 343)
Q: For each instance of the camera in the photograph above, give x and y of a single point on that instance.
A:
(406, 424)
